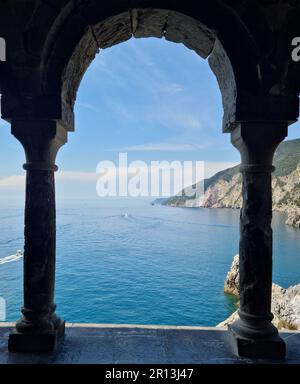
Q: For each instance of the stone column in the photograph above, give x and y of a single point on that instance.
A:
(253, 335)
(39, 328)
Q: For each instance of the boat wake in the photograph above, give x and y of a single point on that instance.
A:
(9, 259)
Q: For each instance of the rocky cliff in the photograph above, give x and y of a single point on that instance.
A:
(223, 190)
(285, 302)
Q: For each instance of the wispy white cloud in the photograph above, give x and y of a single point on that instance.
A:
(149, 76)
(159, 147)
(168, 102)
(88, 106)
(119, 109)
(168, 116)
(76, 176)
(17, 182)
(173, 88)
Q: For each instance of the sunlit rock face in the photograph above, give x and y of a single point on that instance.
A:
(231, 285)
(293, 218)
(224, 190)
(285, 302)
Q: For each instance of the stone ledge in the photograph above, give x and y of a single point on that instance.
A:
(139, 344)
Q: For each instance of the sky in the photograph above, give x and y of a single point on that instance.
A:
(153, 99)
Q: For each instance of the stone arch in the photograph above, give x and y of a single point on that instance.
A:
(68, 51)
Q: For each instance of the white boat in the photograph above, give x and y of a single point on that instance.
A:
(8, 259)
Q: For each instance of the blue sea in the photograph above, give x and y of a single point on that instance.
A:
(126, 261)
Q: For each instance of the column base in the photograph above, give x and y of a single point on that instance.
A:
(36, 342)
(272, 347)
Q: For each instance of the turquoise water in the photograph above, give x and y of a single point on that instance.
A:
(125, 261)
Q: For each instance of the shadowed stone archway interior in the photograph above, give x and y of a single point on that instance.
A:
(50, 44)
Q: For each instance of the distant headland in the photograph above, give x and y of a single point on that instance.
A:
(223, 190)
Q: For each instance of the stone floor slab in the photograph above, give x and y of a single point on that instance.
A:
(131, 344)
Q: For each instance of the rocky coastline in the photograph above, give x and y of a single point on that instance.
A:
(224, 189)
(285, 302)
(228, 194)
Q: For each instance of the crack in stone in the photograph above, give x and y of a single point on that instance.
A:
(133, 20)
(132, 29)
(95, 37)
(165, 26)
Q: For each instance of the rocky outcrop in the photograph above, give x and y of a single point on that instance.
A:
(293, 218)
(285, 302)
(224, 194)
(231, 285)
(228, 194)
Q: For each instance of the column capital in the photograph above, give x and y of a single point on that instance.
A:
(41, 140)
(257, 142)
(37, 107)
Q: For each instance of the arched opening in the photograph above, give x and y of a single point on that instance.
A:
(170, 92)
(170, 25)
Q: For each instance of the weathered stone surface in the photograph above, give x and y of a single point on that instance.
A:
(194, 35)
(256, 243)
(39, 327)
(132, 344)
(253, 331)
(148, 22)
(113, 30)
(224, 72)
(285, 302)
(77, 66)
(36, 342)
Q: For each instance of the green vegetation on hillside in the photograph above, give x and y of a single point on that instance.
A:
(287, 157)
